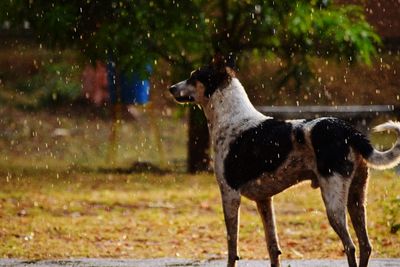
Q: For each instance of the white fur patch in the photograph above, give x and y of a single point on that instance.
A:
(334, 191)
(388, 126)
(390, 158)
(229, 112)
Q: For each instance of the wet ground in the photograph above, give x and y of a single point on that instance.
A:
(167, 262)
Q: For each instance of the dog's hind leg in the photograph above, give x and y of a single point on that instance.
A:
(231, 204)
(266, 210)
(356, 207)
(334, 191)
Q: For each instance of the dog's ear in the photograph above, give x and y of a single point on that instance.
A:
(216, 75)
(218, 62)
(231, 61)
(231, 64)
(224, 63)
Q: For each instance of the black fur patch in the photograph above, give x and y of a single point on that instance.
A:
(256, 151)
(331, 139)
(211, 78)
(299, 135)
(361, 144)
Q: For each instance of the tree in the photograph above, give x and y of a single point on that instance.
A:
(187, 34)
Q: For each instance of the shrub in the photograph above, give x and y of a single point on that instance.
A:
(58, 83)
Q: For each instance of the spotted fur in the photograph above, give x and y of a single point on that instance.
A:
(257, 156)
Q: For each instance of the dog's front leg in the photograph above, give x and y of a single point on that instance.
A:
(266, 210)
(231, 204)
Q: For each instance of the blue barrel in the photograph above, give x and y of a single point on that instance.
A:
(134, 90)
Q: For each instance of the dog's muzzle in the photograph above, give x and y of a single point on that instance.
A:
(174, 90)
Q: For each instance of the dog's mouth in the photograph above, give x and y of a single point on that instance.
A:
(184, 99)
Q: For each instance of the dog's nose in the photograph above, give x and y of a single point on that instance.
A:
(173, 89)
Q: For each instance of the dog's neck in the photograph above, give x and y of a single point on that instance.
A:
(230, 107)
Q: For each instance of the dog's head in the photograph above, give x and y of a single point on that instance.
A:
(203, 82)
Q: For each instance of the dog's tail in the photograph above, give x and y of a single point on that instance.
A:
(379, 159)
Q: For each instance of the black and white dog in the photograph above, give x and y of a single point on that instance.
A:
(258, 156)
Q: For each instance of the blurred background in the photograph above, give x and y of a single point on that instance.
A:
(83, 85)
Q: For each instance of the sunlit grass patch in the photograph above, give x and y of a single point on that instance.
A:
(173, 215)
(59, 141)
(56, 201)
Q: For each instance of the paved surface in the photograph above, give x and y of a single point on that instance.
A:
(166, 262)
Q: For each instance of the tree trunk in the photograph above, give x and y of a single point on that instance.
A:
(199, 141)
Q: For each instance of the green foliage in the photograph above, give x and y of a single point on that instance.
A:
(339, 32)
(188, 33)
(54, 83)
(132, 33)
(58, 84)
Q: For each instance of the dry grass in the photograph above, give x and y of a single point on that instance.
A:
(61, 215)
(54, 203)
